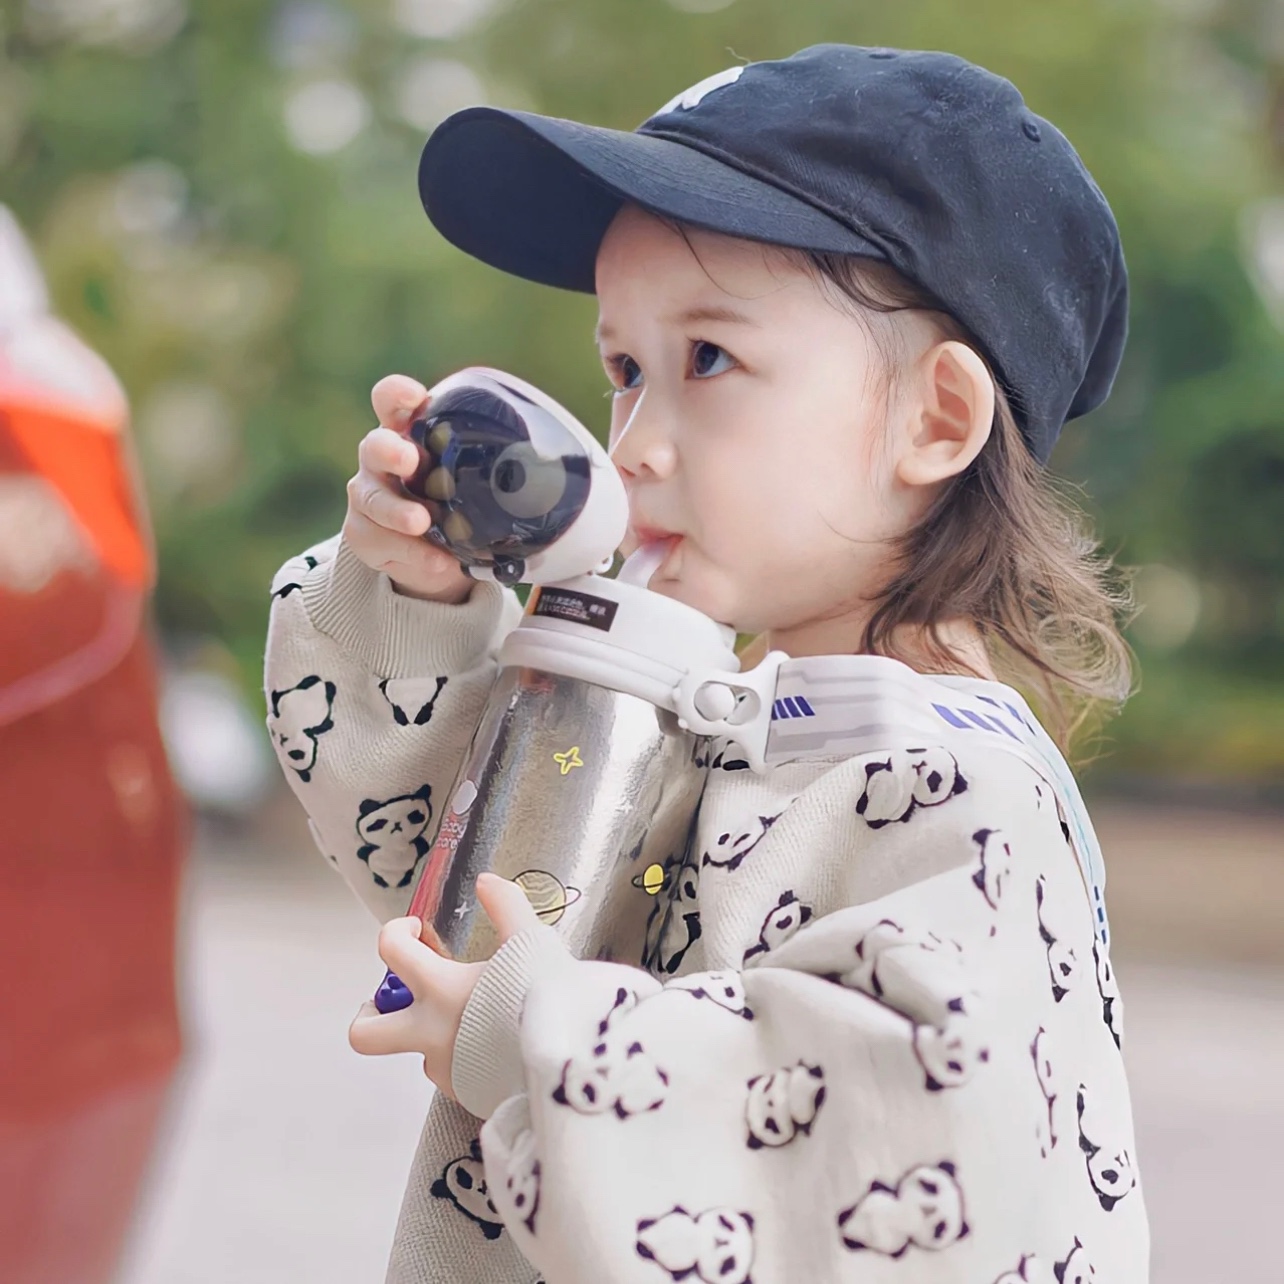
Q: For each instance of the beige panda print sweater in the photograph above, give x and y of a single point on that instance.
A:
(876, 1037)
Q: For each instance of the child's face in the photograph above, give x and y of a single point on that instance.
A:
(747, 420)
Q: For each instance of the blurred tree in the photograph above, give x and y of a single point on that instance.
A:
(224, 195)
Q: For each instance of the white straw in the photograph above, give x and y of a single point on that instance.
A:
(641, 564)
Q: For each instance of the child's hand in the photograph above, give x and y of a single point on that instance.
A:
(383, 527)
(441, 987)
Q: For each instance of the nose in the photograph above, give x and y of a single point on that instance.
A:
(645, 446)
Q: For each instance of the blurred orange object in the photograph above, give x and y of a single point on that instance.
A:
(93, 831)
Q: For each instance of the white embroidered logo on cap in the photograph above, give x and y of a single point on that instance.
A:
(692, 97)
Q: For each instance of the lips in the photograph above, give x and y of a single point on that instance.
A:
(651, 534)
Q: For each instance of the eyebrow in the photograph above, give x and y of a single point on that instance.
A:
(728, 316)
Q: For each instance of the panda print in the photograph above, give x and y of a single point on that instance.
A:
(463, 1183)
(1108, 987)
(949, 1052)
(923, 1210)
(714, 1247)
(721, 754)
(1028, 1271)
(1063, 958)
(393, 834)
(624, 1003)
(298, 717)
(1046, 1131)
(674, 925)
(617, 1074)
(731, 849)
(522, 1179)
(784, 1104)
(1107, 1149)
(905, 780)
(782, 921)
(726, 989)
(995, 865)
(286, 582)
(410, 700)
(922, 979)
(1075, 1268)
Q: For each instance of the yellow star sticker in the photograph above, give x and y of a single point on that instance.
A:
(569, 759)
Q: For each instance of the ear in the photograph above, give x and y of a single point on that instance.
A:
(952, 415)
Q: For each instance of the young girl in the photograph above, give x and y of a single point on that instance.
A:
(847, 302)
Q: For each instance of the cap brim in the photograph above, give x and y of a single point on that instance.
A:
(534, 195)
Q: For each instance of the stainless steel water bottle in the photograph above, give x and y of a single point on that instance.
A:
(585, 773)
(581, 784)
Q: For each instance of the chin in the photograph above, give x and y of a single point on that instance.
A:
(699, 598)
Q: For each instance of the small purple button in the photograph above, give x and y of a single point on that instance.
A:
(392, 995)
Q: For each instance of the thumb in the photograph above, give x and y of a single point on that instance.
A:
(506, 905)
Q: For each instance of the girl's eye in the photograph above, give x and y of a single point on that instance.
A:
(627, 372)
(707, 360)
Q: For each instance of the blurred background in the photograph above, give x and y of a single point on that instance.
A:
(221, 194)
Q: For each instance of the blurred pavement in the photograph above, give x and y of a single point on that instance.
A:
(287, 1153)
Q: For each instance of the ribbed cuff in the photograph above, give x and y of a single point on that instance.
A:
(487, 1066)
(397, 636)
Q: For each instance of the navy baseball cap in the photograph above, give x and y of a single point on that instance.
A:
(920, 160)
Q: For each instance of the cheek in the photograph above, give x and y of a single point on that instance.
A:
(621, 408)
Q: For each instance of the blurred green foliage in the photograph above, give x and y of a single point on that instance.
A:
(223, 194)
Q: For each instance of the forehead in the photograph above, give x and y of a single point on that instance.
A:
(643, 259)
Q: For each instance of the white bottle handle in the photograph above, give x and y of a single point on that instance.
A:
(747, 698)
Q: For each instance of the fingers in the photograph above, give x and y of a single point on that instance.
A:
(395, 553)
(372, 497)
(395, 398)
(378, 1034)
(383, 451)
(406, 955)
(506, 905)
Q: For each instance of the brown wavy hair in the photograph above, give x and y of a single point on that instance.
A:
(1004, 545)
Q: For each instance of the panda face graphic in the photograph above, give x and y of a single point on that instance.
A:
(522, 1181)
(731, 849)
(1063, 958)
(726, 989)
(1111, 1002)
(674, 925)
(1076, 1268)
(782, 921)
(616, 1076)
(995, 865)
(1047, 1129)
(297, 718)
(1107, 1149)
(923, 1210)
(1028, 1271)
(394, 836)
(922, 978)
(412, 700)
(949, 1054)
(721, 754)
(289, 578)
(463, 1182)
(715, 1246)
(783, 1104)
(897, 784)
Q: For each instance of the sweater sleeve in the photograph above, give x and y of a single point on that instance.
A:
(372, 700)
(925, 1086)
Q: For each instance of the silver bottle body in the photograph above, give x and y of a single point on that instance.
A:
(586, 797)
